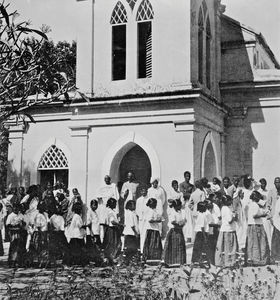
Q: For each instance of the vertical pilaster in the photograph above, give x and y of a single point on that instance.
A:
(78, 176)
(15, 155)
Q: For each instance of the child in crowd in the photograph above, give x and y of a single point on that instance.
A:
(15, 223)
(112, 233)
(200, 247)
(257, 249)
(93, 242)
(131, 230)
(152, 245)
(58, 246)
(210, 226)
(39, 238)
(174, 248)
(77, 252)
(141, 209)
(227, 245)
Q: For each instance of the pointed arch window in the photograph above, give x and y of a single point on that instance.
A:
(131, 3)
(208, 54)
(54, 158)
(200, 46)
(204, 46)
(144, 17)
(118, 22)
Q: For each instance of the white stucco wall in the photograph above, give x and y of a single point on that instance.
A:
(170, 48)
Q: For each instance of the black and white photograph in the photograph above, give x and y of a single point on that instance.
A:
(140, 149)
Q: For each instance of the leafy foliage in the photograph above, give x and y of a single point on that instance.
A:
(30, 65)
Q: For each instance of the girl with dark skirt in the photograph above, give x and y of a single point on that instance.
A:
(257, 248)
(201, 253)
(58, 246)
(112, 233)
(77, 251)
(131, 230)
(152, 245)
(227, 245)
(175, 248)
(93, 242)
(38, 249)
(15, 223)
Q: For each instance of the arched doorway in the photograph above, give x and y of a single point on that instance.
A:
(210, 162)
(53, 166)
(209, 159)
(137, 161)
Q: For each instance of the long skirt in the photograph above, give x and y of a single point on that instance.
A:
(226, 249)
(38, 249)
(275, 245)
(16, 250)
(77, 252)
(131, 244)
(1, 244)
(174, 252)
(212, 241)
(152, 245)
(257, 249)
(200, 252)
(93, 248)
(112, 242)
(58, 246)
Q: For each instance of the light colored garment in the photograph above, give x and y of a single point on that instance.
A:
(188, 229)
(158, 194)
(141, 209)
(40, 222)
(111, 217)
(276, 216)
(57, 222)
(130, 220)
(227, 216)
(200, 222)
(14, 219)
(132, 189)
(216, 213)
(196, 197)
(254, 209)
(93, 220)
(209, 220)
(108, 191)
(152, 214)
(75, 229)
(176, 216)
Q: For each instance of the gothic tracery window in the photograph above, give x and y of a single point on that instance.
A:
(131, 3)
(53, 158)
(204, 46)
(144, 17)
(118, 22)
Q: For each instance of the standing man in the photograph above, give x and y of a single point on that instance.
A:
(186, 187)
(128, 192)
(108, 190)
(273, 195)
(129, 188)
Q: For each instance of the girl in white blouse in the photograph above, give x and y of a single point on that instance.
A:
(175, 248)
(227, 245)
(152, 245)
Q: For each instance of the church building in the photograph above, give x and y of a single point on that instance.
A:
(163, 87)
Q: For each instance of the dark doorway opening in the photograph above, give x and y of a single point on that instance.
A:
(137, 161)
(53, 176)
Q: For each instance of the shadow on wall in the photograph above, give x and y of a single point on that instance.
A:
(15, 179)
(239, 94)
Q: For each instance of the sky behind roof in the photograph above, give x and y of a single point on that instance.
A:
(261, 15)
